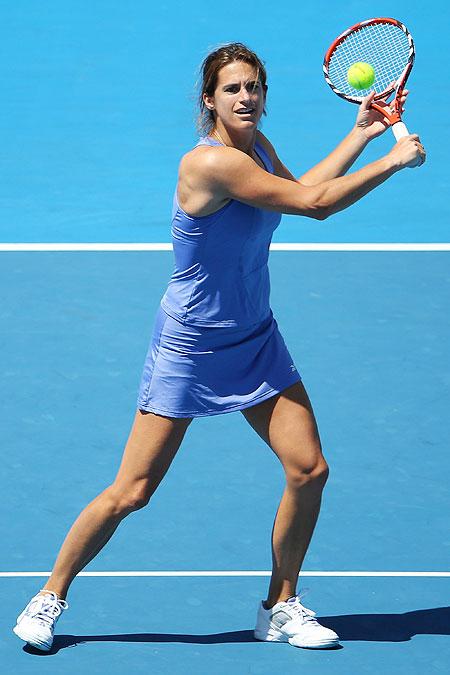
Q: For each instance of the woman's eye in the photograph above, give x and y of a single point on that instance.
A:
(250, 87)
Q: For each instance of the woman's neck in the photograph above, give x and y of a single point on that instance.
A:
(244, 142)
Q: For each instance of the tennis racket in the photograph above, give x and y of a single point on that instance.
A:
(387, 45)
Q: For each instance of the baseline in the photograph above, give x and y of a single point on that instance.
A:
(295, 246)
(231, 573)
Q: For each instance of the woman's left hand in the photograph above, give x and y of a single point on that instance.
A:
(372, 122)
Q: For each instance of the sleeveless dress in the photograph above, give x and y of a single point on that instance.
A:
(216, 347)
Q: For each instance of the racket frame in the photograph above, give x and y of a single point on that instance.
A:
(394, 118)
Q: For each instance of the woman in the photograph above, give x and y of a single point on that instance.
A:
(216, 346)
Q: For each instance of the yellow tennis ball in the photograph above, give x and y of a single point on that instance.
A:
(361, 75)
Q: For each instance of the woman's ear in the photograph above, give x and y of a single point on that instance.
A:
(208, 101)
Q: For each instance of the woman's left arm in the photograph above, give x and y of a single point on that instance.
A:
(369, 124)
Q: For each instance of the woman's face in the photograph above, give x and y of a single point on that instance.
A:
(239, 98)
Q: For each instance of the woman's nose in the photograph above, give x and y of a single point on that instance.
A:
(245, 94)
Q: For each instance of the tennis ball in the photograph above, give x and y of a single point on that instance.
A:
(361, 75)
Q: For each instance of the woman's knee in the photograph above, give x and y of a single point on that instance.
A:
(313, 474)
(125, 499)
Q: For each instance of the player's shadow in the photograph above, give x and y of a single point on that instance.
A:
(349, 627)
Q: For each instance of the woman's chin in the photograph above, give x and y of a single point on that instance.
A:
(245, 124)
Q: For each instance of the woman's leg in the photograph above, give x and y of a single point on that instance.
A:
(286, 423)
(151, 447)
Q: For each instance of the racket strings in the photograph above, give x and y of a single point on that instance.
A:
(385, 46)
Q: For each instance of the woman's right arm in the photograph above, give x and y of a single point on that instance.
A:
(231, 174)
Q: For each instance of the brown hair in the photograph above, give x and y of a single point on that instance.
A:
(209, 71)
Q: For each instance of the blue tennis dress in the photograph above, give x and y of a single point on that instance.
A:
(216, 347)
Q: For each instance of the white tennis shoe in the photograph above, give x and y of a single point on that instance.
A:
(37, 622)
(291, 622)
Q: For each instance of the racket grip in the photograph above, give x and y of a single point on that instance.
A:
(399, 130)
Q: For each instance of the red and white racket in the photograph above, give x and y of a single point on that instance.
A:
(387, 45)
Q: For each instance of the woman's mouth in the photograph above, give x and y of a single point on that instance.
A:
(245, 111)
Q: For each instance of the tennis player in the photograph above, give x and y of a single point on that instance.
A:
(216, 347)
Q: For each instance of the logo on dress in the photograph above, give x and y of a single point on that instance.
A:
(292, 367)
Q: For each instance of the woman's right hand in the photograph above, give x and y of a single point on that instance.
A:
(408, 152)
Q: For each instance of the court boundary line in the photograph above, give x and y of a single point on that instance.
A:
(294, 246)
(231, 573)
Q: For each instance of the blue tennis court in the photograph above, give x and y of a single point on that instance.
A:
(99, 109)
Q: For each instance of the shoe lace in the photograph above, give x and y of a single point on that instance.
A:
(50, 608)
(300, 610)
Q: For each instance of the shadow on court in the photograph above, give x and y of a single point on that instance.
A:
(390, 627)
(351, 627)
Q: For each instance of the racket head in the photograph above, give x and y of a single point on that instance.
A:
(383, 42)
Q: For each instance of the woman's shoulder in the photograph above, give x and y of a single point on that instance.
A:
(205, 158)
(206, 154)
(199, 174)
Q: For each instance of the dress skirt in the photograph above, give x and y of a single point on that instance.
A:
(193, 371)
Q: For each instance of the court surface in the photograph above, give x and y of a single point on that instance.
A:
(98, 110)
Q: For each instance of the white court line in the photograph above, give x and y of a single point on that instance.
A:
(273, 247)
(360, 247)
(231, 573)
